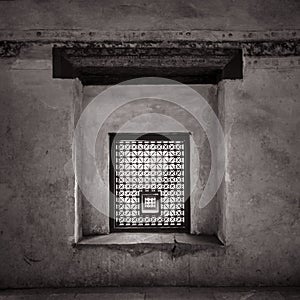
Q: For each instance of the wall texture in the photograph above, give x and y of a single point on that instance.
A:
(259, 196)
(154, 15)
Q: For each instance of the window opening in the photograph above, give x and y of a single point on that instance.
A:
(149, 180)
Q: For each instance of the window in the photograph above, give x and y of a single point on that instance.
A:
(149, 181)
(202, 68)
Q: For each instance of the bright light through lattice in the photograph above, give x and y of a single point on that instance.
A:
(149, 181)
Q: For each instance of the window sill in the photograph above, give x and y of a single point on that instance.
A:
(177, 243)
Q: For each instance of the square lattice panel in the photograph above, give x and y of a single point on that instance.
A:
(150, 181)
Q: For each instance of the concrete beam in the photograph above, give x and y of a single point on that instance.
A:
(59, 35)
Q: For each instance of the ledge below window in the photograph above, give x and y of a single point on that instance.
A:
(177, 243)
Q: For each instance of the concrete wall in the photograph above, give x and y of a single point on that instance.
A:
(260, 194)
(150, 15)
(36, 172)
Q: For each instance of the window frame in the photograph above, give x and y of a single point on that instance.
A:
(182, 136)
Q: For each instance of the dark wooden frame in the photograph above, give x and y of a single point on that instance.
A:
(182, 136)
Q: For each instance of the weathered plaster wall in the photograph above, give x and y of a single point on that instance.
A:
(261, 202)
(260, 194)
(36, 175)
(150, 15)
(260, 116)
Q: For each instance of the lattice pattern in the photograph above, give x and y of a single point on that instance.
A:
(150, 202)
(154, 168)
